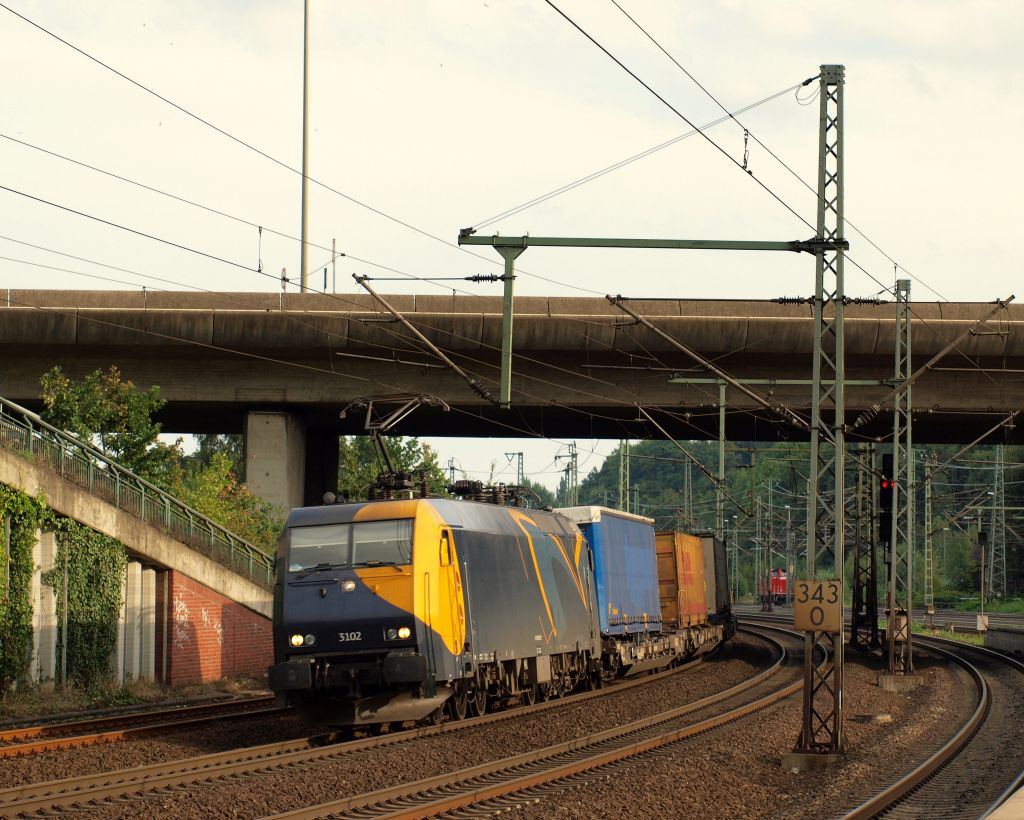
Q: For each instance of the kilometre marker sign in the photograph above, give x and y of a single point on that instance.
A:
(817, 606)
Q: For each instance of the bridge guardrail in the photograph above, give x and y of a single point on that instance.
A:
(75, 461)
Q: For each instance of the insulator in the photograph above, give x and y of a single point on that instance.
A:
(465, 488)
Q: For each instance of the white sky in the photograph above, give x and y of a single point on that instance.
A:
(442, 114)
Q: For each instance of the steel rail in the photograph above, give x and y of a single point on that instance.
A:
(80, 733)
(495, 779)
(135, 782)
(903, 787)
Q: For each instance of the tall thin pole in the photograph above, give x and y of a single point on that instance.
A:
(304, 273)
(822, 727)
(790, 558)
(997, 578)
(899, 633)
(719, 489)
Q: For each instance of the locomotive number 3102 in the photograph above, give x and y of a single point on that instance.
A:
(349, 636)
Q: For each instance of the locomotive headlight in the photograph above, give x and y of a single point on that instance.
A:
(348, 585)
(404, 632)
(391, 634)
(296, 640)
(310, 639)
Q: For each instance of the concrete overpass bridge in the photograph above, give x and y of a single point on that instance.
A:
(280, 367)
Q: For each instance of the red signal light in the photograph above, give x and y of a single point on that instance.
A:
(887, 484)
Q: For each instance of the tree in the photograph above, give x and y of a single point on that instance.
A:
(112, 415)
(542, 496)
(359, 466)
(214, 490)
(210, 444)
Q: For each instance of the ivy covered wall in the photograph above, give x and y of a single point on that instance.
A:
(93, 565)
(25, 515)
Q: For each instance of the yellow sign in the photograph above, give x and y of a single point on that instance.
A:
(818, 606)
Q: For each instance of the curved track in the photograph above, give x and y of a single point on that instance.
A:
(525, 779)
(971, 773)
(980, 766)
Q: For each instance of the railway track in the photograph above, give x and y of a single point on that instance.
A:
(145, 781)
(525, 779)
(91, 732)
(980, 766)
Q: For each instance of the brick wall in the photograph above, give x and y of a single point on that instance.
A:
(210, 636)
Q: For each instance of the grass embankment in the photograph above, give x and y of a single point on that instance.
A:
(964, 637)
(33, 702)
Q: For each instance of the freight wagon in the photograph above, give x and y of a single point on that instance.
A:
(635, 571)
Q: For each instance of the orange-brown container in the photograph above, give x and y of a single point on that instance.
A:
(681, 579)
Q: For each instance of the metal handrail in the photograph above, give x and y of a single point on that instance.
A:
(80, 463)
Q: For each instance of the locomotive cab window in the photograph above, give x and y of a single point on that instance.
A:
(312, 546)
(367, 544)
(382, 542)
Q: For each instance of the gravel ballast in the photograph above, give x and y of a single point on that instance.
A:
(731, 772)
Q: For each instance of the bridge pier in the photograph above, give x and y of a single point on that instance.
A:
(285, 463)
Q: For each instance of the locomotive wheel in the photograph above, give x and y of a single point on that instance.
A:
(458, 704)
(478, 702)
(529, 696)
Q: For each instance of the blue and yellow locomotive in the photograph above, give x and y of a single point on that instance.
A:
(392, 610)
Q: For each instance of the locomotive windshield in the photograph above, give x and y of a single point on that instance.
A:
(365, 543)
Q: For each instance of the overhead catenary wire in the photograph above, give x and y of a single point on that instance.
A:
(251, 223)
(569, 186)
(802, 181)
(754, 137)
(679, 114)
(281, 163)
(194, 251)
(743, 165)
(269, 275)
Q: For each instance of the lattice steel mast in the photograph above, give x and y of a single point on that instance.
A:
(901, 551)
(998, 575)
(822, 729)
(929, 550)
(864, 609)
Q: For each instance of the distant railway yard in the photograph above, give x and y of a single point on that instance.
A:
(704, 739)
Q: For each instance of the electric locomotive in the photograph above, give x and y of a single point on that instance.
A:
(390, 610)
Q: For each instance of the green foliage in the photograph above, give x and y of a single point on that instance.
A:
(15, 600)
(964, 637)
(104, 409)
(94, 565)
(544, 496)
(359, 466)
(110, 413)
(209, 444)
(214, 490)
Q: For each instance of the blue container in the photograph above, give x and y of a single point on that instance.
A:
(625, 566)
